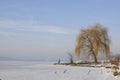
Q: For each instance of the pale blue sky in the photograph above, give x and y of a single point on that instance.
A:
(46, 28)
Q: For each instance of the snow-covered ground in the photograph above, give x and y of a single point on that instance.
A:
(16, 70)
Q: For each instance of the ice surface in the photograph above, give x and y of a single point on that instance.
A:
(16, 70)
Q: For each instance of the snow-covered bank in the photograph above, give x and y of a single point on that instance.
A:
(47, 71)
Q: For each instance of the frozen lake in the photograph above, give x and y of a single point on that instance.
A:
(20, 70)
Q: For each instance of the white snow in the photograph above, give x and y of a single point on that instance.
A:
(12, 70)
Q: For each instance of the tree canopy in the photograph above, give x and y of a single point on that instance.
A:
(93, 40)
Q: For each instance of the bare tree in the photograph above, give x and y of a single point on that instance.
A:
(70, 57)
(93, 40)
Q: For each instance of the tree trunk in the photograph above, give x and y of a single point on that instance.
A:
(95, 57)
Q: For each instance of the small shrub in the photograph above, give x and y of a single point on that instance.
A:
(116, 73)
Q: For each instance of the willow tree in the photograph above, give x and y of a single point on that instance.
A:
(93, 40)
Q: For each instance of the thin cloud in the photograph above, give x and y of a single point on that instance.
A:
(32, 27)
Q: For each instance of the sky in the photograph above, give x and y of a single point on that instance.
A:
(48, 28)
